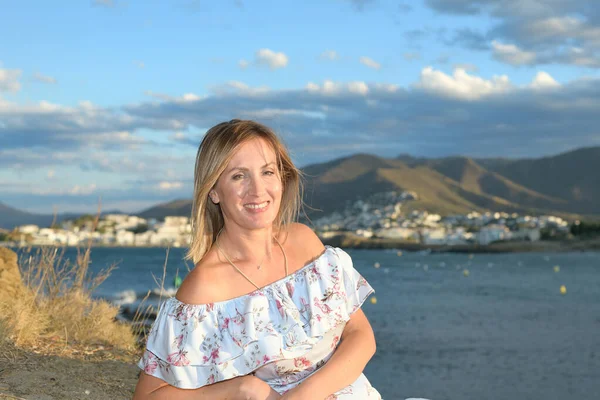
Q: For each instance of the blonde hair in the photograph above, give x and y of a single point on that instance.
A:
(216, 150)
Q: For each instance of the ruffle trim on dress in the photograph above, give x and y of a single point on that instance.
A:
(190, 346)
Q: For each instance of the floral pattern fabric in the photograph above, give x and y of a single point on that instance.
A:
(281, 333)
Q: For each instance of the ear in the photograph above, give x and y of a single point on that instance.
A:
(214, 197)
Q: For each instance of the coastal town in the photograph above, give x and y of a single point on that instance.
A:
(378, 216)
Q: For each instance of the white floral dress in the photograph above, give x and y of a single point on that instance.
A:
(281, 333)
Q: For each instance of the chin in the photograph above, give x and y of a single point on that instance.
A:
(262, 222)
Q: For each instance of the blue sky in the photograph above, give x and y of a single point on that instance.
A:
(109, 99)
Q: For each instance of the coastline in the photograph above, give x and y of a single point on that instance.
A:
(351, 241)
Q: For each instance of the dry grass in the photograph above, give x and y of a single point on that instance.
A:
(55, 313)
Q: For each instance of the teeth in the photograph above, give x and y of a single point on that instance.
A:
(257, 206)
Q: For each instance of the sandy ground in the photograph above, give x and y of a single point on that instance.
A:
(26, 375)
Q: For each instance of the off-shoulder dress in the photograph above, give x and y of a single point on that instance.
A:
(281, 333)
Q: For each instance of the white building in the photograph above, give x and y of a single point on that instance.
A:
(364, 233)
(434, 236)
(143, 239)
(116, 218)
(125, 238)
(48, 236)
(398, 233)
(532, 234)
(492, 233)
(28, 229)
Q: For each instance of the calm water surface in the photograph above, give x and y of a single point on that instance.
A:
(502, 331)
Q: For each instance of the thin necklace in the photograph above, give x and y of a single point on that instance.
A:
(238, 270)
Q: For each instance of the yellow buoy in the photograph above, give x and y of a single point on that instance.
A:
(563, 289)
(556, 268)
(377, 265)
(465, 272)
(399, 253)
(373, 300)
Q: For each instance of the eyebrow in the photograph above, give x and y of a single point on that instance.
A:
(246, 169)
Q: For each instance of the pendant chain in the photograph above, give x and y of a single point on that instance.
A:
(240, 271)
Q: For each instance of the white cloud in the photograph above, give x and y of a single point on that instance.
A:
(166, 185)
(83, 189)
(330, 55)
(186, 98)
(550, 28)
(370, 62)
(75, 190)
(9, 80)
(122, 138)
(44, 78)
(243, 64)
(190, 97)
(580, 57)
(540, 31)
(385, 87)
(270, 113)
(358, 88)
(237, 87)
(177, 136)
(543, 80)
(511, 54)
(461, 85)
(467, 67)
(431, 115)
(140, 64)
(273, 60)
(333, 88)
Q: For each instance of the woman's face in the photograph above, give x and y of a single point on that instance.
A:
(249, 190)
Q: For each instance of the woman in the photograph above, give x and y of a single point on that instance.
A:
(267, 312)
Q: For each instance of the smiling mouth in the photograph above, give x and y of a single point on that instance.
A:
(256, 206)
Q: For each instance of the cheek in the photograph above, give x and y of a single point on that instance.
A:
(275, 185)
(239, 190)
(278, 190)
(233, 192)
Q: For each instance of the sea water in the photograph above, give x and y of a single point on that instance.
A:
(448, 326)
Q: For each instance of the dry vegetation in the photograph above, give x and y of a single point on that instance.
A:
(53, 311)
(56, 340)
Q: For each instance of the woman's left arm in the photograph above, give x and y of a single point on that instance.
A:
(355, 349)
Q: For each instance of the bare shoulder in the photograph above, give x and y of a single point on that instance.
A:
(201, 285)
(302, 238)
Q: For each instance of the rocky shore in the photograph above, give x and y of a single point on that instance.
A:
(348, 240)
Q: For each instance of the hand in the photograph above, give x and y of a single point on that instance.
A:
(253, 388)
(273, 395)
(297, 393)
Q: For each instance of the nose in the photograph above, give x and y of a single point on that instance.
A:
(257, 186)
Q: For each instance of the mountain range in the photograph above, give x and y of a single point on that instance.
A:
(563, 184)
(10, 217)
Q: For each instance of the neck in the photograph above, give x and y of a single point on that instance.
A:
(245, 245)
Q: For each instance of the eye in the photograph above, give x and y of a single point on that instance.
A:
(269, 173)
(237, 177)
